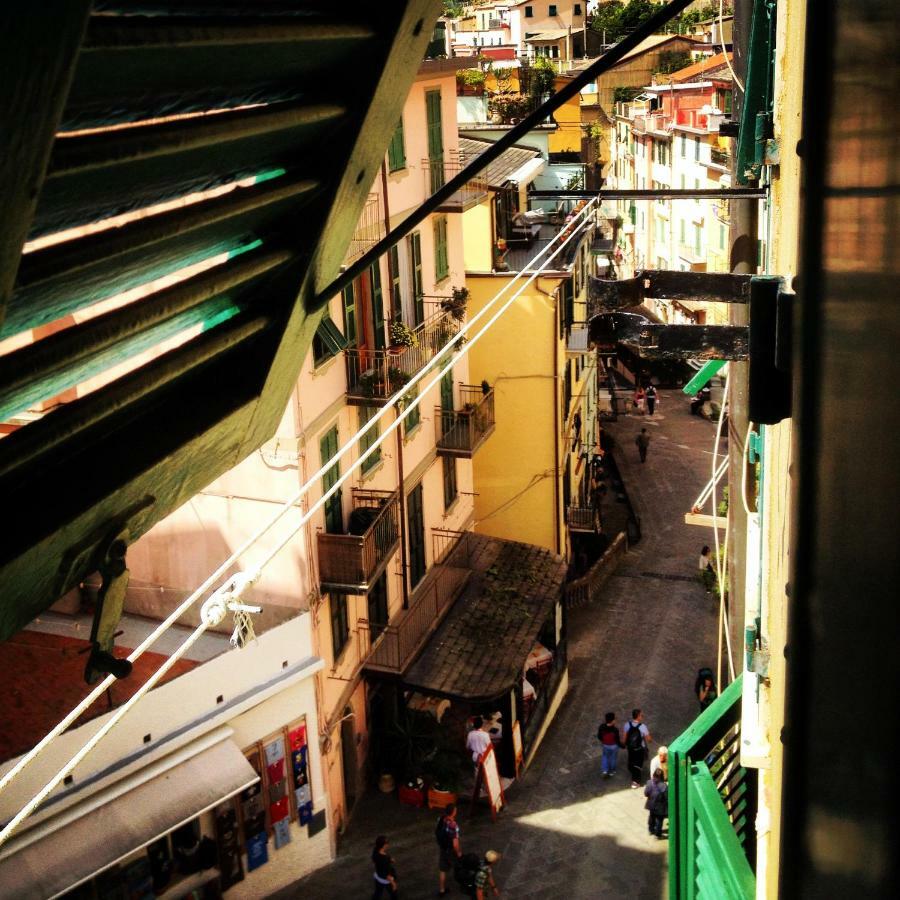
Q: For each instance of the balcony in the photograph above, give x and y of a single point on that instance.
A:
(712, 806)
(352, 562)
(583, 518)
(391, 649)
(369, 229)
(526, 240)
(460, 432)
(438, 172)
(720, 158)
(375, 375)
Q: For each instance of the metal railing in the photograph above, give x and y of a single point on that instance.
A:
(369, 229)
(376, 374)
(720, 157)
(351, 560)
(397, 644)
(460, 432)
(438, 171)
(582, 518)
(586, 589)
(712, 806)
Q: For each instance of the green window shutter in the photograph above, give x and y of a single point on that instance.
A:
(415, 256)
(369, 438)
(450, 489)
(681, 235)
(441, 262)
(411, 422)
(697, 148)
(435, 134)
(396, 290)
(378, 606)
(697, 239)
(348, 296)
(396, 150)
(340, 623)
(334, 519)
(327, 341)
(416, 534)
(447, 390)
(377, 306)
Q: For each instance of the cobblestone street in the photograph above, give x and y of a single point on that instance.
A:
(566, 832)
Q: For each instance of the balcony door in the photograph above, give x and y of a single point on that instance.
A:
(334, 517)
(378, 607)
(416, 520)
(435, 131)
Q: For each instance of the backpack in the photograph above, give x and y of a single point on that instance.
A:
(440, 832)
(634, 740)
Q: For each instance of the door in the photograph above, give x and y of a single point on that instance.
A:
(348, 759)
(434, 128)
(334, 517)
(414, 248)
(377, 307)
(416, 519)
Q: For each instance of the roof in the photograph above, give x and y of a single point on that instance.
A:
(654, 42)
(502, 168)
(479, 650)
(703, 67)
(554, 34)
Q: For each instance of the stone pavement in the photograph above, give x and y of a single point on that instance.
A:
(567, 832)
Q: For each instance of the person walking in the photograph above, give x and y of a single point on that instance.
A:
(657, 803)
(705, 688)
(447, 834)
(643, 442)
(637, 736)
(661, 761)
(639, 400)
(651, 398)
(706, 570)
(608, 735)
(484, 878)
(385, 873)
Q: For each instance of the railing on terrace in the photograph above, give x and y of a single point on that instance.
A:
(396, 645)
(582, 518)
(369, 229)
(437, 172)
(460, 432)
(587, 588)
(374, 375)
(350, 562)
(720, 157)
(712, 807)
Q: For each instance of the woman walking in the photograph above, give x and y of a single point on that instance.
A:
(385, 873)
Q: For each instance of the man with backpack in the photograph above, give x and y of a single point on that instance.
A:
(637, 736)
(608, 735)
(446, 833)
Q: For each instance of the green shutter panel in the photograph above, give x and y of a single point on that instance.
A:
(415, 250)
(328, 446)
(377, 306)
(434, 128)
(396, 149)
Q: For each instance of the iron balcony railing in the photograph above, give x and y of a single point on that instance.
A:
(352, 562)
(393, 648)
(437, 172)
(369, 229)
(720, 157)
(374, 375)
(460, 432)
(712, 807)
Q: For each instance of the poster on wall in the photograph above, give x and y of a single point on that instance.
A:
(297, 740)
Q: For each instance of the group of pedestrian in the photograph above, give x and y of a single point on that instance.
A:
(646, 395)
(635, 739)
(473, 872)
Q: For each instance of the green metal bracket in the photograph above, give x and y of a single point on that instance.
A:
(756, 115)
(754, 448)
(709, 370)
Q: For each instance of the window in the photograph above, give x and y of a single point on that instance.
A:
(416, 535)
(396, 150)
(340, 624)
(697, 148)
(369, 438)
(721, 236)
(328, 446)
(698, 236)
(411, 422)
(577, 9)
(435, 133)
(414, 248)
(349, 301)
(683, 146)
(681, 234)
(327, 341)
(529, 12)
(377, 305)
(450, 490)
(441, 262)
(552, 10)
(378, 607)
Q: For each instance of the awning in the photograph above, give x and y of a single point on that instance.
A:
(102, 835)
(526, 173)
(478, 652)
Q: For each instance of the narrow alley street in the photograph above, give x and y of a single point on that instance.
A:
(566, 832)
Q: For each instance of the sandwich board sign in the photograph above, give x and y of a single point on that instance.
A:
(488, 779)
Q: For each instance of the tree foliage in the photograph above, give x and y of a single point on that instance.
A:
(616, 19)
(672, 61)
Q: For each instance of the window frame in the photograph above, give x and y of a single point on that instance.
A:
(327, 342)
(450, 480)
(348, 306)
(441, 253)
(339, 616)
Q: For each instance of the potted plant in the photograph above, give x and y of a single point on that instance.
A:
(397, 378)
(402, 335)
(366, 384)
(470, 82)
(455, 304)
(445, 779)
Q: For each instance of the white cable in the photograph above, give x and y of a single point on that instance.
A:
(737, 81)
(747, 510)
(250, 542)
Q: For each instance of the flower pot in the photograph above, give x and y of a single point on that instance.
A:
(411, 796)
(438, 799)
(386, 783)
